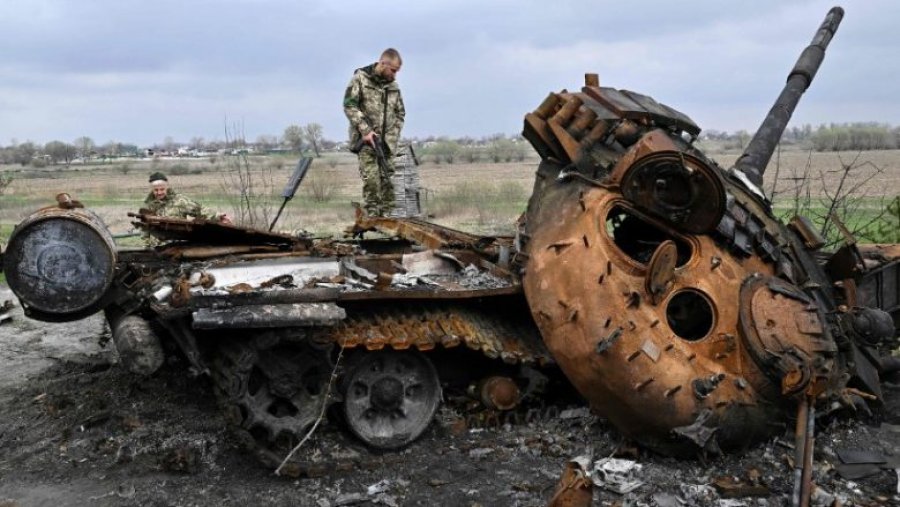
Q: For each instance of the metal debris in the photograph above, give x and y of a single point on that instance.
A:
(575, 413)
(575, 488)
(730, 486)
(613, 474)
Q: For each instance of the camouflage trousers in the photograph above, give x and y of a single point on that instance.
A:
(378, 191)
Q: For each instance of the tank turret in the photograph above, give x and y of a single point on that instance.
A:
(675, 301)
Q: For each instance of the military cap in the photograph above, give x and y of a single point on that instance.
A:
(157, 176)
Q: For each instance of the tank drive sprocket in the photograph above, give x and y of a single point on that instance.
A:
(272, 391)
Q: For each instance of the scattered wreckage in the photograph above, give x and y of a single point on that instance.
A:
(664, 287)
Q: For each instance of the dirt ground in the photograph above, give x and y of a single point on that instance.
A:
(79, 430)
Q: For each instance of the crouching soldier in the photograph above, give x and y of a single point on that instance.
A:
(165, 202)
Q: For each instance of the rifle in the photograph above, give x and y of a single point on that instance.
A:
(377, 145)
(293, 183)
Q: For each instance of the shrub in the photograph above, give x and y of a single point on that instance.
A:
(887, 229)
(6, 180)
(179, 169)
(510, 192)
(320, 187)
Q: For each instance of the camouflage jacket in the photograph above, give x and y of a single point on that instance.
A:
(177, 206)
(371, 103)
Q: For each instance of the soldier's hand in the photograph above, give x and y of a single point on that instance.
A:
(370, 138)
(225, 219)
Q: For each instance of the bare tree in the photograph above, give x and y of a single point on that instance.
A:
(59, 151)
(250, 189)
(313, 133)
(846, 201)
(293, 137)
(111, 149)
(169, 144)
(84, 145)
(265, 143)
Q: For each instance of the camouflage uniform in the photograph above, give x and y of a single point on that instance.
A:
(372, 103)
(175, 206)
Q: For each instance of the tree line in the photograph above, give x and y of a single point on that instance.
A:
(296, 138)
(855, 136)
(495, 148)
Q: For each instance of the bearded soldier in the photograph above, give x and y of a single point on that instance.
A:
(375, 109)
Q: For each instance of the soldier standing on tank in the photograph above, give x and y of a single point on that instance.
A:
(375, 109)
(165, 202)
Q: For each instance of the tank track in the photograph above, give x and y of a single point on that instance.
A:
(499, 328)
(371, 326)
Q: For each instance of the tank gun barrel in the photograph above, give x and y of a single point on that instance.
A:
(756, 157)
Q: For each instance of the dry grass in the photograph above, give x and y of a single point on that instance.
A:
(793, 164)
(484, 198)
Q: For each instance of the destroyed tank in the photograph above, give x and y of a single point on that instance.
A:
(664, 287)
(670, 294)
(286, 327)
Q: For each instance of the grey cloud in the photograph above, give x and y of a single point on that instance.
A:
(138, 71)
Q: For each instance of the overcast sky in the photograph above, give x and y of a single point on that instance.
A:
(138, 71)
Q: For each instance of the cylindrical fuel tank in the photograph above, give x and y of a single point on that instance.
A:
(60, 263)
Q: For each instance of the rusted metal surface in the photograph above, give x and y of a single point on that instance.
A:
(803, 452)
(663, 284)
(60, 262)
(631, 358)
(880, 253)
(752, 485)
(574, 489)
(425, 326)
(213, 233)
(785, 334)
(498, 393)
(210, 252)
(427, 234)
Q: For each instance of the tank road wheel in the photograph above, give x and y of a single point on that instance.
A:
(272, 396)
(390, 397)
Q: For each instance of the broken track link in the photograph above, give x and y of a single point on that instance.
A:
(272, 391)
